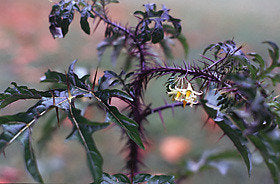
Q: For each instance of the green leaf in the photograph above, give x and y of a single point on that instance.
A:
(118, 45)
(166, 49)
(116, 178)
(266, 147)
(183, 40)
(153, 179)
(229, 129)
(11, 95)
(85, 25)
(48, 130)
(101, 48)
(108, 93)
(13, 130)
(271, 159)
(157, 34)
(29, 157)
(257, 58)
(130, 127)
(72, 78)
(274, 54)
(238, 140)
(83, 130)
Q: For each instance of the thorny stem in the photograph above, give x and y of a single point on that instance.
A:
(134, 154)
(167, 106)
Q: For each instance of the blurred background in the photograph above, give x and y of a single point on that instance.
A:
(27, 50)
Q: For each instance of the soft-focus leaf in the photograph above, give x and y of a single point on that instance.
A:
(166, 49)
(48, 130)
(274, 54)
(220, 160)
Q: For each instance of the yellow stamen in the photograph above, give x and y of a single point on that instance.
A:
(188, 93)
(178, 95)
(184, 103)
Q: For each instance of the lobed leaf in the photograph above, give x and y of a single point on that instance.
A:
(29, 156)
(229, 129)
(153, 179)
(83, 129)
(129, 126)
(274, 54)
(12, 94)
(116, 178)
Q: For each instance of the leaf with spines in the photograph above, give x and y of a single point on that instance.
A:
(267, 147)
(83, 129)
(229, 129)
(28, 118)
(29, 156)
(70, 78)
(153, 179)
(116, 178)
(12, 94)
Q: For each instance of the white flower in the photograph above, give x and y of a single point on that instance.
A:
(183, 92)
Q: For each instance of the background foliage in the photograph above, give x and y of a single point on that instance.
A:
(194, 39)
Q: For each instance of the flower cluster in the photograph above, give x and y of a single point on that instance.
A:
(182, 91)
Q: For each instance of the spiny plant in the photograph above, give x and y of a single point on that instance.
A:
(236, 90)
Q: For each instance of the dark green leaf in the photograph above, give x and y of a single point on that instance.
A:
(11, 95)
(83, 132)
(157, 34)
(85, 25)
(72, 78)
(271, 159)
(228, 128)
(153, 179)
(29, 156)
(130, 127)
(112, 179)
(13, 130)
(108, 93)
(257, 58)
(274, 54)
(50, 126)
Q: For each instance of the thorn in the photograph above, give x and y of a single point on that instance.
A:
(220, 137)
(185, 64)
(162, 121)
(56, 108)
(205, 122)
(173, 111)
(94, 80)
(165, 101)
(68, 85)
(96, 25)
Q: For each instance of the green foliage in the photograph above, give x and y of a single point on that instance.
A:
(237, 92)
(139, 178)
